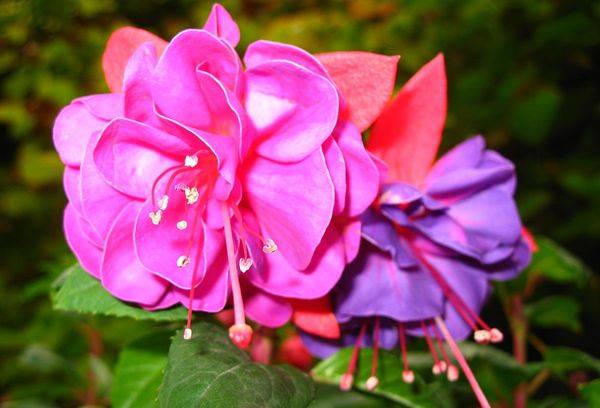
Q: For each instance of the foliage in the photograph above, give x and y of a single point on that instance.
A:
(523, 73)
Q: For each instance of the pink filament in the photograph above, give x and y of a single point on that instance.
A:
(402, 336)
(430, 344)
(463, 363)
(375, 348)
(357, 345)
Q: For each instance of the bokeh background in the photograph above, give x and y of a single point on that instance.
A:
(524, 73)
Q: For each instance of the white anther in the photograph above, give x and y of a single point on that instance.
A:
(181, 225)
(408, 376)
(496, 335)
(191, 195)
(163, 202)
(155, 217)
(269, 246)
(482, 336)
(182, 261)
(372, 383)
(187, 333)
(191, 161)
(245, 264)
(452, 373)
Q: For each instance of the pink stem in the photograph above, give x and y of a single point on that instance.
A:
(238, 303)
(463, 363)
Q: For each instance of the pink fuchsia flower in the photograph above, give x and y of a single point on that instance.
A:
(200, 167)
(437, 234)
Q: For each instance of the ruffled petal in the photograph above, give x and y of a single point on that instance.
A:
(177, 92)
(373, 285)
(119, 48)
(137, 85)
(316, 317)
(221, 24)
(293, 109)
(87, 252)
(264, 308)
(337, 170)
(361, 172)
(293, 203)
(71, 177)
(365, 80)
(122, 273)
(408, 132)
(131, 155)
(263, 51)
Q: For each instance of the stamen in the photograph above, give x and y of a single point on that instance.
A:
(187, 333)
(407, 375)
(373, 381)
(245, 264)
(240, 333)
(348, 377)
(446, 360)
(181, 225)
(191, 161)
(183, 261)
(191, 195)
(482, 336)
(437, 368)
(452, 374)
(155, 217)
(496, 335)
(163, 202)
(269, 246)
(463, 363)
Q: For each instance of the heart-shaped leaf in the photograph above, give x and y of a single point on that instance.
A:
(77, 291)
(210, 371)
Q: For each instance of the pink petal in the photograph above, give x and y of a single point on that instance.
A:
(361, 172)
(265, 309)
(100, 202)
(122, 273)
(365, 80)
(103, 106)
(72, 130)
(177, 92)
(408, 132)
(278, 277)
(71, 186)
(168, 300)
(293, 203)
(337, 170)
(131, 155)
(293, 109)
(263, 51)
(159, 246)
(137, 85)
(120, 46)
(88, 254)
(350, 229)
(221, 24)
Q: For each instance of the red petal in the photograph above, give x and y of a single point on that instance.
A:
(315, 317)
(408, 132)
(293, 351)
(119, 47)
(365, 80)
(529, 240)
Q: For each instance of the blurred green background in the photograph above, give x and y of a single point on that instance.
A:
(524, 73)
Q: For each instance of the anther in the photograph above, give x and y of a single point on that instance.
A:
(182, 261)
(408, 376)
(245, 264)
(482, 336)
(346, 381)
(181, 225)
(439, 367)
(191, 195)
(155, 217)
(496, 335)
(191, 161)
(452, 373)
(269, 246)
(163, 202)
(372, 383)
(240, 335)
(187, 333)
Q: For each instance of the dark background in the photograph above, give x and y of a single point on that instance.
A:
(522, 73)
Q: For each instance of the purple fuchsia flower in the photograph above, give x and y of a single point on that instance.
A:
(433, 240)
(196, 165)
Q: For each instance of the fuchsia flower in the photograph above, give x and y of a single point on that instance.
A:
(435, 237)
(197, 165)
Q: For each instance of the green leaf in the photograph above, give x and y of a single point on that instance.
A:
(555, 311)
(591, 392)
(139, 371)
(330, 396)
(562, 360)
(557, 264)
(79, 292)
(389, 373)
(210, 371)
